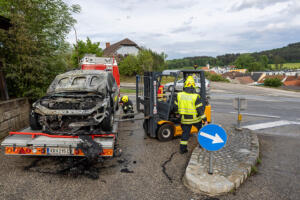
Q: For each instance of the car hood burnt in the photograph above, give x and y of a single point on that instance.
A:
(79, 81)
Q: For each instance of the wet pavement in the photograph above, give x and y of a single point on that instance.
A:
(149, 169)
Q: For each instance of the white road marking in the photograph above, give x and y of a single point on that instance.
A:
(270, 124)
(258, 115)
(222, 103)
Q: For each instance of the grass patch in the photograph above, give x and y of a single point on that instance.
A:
(123, 90)
(258, 161)
(254, 170)
(128, 79)
(287, 66)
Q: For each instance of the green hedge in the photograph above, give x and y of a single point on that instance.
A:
(272, 82)
(215, 77)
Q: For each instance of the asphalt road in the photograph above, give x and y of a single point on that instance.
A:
(148, 169)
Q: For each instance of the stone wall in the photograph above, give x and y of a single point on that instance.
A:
(14, 115)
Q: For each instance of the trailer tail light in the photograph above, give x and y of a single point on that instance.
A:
(8, 150)
(16, 150)
(28, 150)
(107, 152)
(22, 151)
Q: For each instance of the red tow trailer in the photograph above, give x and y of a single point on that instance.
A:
(36, 143)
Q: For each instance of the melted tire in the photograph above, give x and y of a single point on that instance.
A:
(107, 124)
(165, 132)
(33, 121)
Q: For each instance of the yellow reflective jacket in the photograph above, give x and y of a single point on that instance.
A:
(187, 107)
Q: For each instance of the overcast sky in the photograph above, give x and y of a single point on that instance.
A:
(183, 28)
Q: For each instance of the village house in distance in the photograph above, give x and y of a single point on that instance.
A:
(121, 49)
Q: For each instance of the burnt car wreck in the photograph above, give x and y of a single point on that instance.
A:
(77, 102)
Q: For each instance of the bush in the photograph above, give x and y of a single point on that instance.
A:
(272, 82)
(215, 77)
(129, 66)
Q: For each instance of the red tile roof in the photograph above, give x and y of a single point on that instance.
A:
(292, 81)
(244, 79)
(212, 72)
(231, 75)
(290, 78)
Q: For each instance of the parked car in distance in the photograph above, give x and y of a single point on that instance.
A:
(179, 85)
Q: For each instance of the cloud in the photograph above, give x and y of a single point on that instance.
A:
(183, 28)
(190, 27)
(260, 4)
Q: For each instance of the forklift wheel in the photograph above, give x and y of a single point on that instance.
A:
(165, 132)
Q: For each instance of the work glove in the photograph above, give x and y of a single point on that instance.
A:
(204, 121)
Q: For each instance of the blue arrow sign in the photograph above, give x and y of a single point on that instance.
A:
(212, 137)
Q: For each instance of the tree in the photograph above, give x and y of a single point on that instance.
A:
(264, 61)
(145, 60)
(244, 61)
(83, 48)
(278, 60)
(34, 47)
(129, 66)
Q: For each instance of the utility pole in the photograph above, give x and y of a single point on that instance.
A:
(76, 45)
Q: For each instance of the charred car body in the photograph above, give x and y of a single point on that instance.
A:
(77, 102)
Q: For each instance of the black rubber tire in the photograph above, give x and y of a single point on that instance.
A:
(170, 88)
(33, 121)
(165, 132)
(108, 122)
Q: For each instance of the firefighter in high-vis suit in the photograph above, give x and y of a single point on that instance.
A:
(191, 110)
(127, 107)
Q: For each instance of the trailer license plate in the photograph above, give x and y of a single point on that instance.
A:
(59, 151)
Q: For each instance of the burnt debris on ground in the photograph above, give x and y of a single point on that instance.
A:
(72, 167)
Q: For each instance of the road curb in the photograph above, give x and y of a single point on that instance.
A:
(232, 164)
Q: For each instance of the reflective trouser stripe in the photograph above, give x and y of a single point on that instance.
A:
(200, 104)
(184, 142)
(190, 121)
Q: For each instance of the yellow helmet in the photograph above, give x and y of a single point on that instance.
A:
(125, 99)
(189, 82)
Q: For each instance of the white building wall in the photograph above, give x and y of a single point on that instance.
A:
(125, 50)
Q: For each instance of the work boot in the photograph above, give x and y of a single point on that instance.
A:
(183, 149)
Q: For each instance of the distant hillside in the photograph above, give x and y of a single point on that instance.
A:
(288, 54)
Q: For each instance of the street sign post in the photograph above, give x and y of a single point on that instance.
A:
(239, 104)
(212, 138)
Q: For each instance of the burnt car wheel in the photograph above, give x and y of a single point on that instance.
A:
(108, 122)
(34, 121)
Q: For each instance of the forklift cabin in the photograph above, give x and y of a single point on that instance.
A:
(161, 120)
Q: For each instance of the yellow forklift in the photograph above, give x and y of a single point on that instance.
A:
(160, 119)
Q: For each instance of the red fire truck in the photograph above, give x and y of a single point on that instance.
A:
(91, 62)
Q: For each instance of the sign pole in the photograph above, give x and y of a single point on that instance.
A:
(239, 113)
(211, 156)
(210, 170)
(212, 137)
